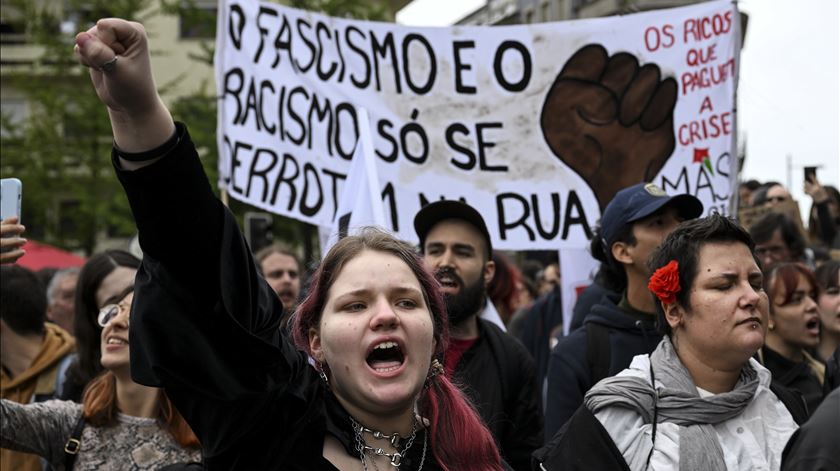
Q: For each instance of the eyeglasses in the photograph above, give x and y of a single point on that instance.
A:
(109, 312)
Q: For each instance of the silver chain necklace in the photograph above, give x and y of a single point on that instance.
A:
(395, 458)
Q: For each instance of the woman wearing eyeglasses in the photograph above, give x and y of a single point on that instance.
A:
(104, 275)
(119, 425)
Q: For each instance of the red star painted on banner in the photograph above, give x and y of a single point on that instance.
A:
(700, 154)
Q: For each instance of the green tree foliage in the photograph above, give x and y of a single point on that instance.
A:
(61, 151)
(360, 10)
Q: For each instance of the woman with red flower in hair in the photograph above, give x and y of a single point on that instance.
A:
(699, 401)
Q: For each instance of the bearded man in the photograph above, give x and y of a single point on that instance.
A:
(496, 371)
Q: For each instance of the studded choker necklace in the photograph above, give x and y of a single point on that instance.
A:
(396, 457)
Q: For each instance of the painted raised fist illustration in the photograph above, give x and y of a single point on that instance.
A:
(610, 120)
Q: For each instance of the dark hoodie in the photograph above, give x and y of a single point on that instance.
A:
(631, 333)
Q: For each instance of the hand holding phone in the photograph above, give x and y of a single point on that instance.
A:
(11, 242)
(10, 198)
(813, 187)
(811, 174)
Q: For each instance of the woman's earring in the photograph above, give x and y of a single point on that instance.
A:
(771, 326)
(435, 368)
(323, 374)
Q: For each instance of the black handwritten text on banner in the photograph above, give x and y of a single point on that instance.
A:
(536, 126)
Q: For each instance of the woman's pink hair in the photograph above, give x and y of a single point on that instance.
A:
(459, 439)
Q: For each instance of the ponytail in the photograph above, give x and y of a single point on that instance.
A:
(460, 440)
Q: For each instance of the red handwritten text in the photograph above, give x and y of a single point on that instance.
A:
(659, 37)
(701, 56)
(707, 76)
(716, 125)
(700, 29)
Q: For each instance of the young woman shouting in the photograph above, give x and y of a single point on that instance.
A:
(359, 389)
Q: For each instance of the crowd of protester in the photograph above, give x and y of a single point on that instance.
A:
(703, 342)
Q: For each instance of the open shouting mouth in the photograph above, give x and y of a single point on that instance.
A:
(386, 357)
(448, 280)
(813, 326)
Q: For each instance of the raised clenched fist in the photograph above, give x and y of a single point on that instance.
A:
(610, 120)
(127, 85)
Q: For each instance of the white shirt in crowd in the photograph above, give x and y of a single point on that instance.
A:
(752, 441)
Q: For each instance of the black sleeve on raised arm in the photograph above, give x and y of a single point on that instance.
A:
(204, 324)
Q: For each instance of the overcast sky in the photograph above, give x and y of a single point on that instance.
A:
(789, 94)
(789, 91)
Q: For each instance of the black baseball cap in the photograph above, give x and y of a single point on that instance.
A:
(433, 213)
(640, 201)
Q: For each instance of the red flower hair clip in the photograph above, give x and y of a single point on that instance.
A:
(665, 282)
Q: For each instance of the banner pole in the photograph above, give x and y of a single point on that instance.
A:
(735, 165)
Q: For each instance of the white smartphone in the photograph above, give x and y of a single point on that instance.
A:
(10, 197)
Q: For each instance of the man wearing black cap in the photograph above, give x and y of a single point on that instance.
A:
(496, 369)
(618, 328)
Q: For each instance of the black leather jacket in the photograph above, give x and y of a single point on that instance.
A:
(498, 374)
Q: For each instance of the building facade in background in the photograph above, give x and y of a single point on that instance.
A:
(182, 40)
(508, 12)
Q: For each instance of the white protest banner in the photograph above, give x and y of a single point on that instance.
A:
(537, 126)
(359, 204)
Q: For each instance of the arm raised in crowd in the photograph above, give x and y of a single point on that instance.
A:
(204, 324)
(823, 219)
(117, 54)
(178, 217)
